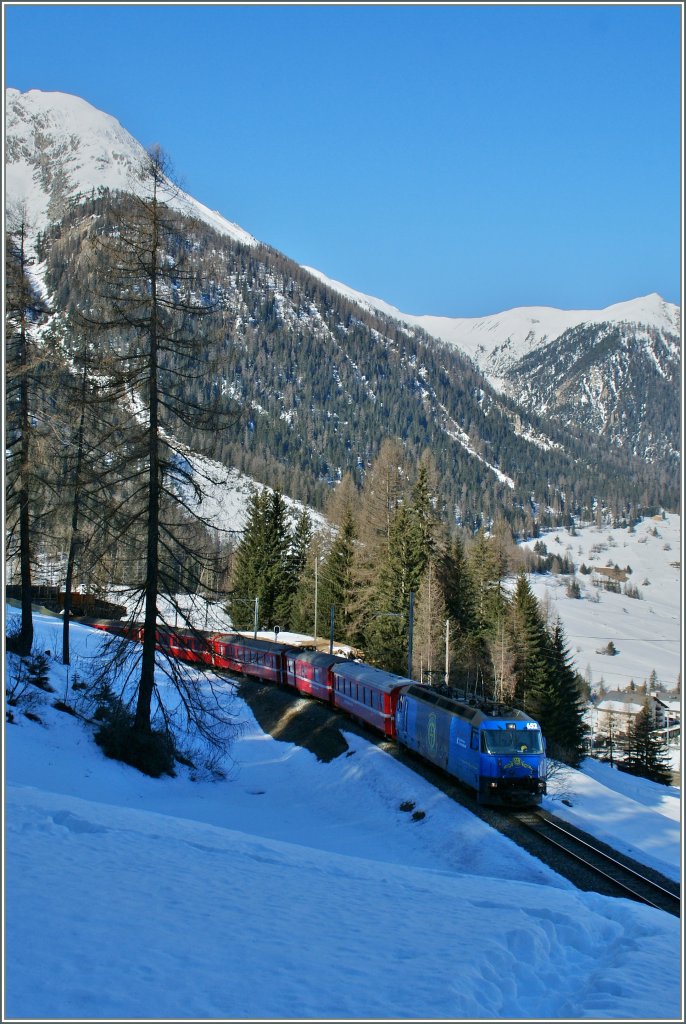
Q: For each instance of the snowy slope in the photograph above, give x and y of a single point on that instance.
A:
(645, 629)
(498, 341)
(293, 889)
(58, 146)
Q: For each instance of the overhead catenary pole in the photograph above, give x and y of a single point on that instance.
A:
(447, 650)
(333, 612)
(316, 562)
(257, 615)
(410, 629)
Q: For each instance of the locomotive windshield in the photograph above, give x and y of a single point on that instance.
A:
(511, 741)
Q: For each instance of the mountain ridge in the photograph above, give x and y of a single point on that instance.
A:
(65, 113)
(517, 331)
(303, 351)
(104, 156)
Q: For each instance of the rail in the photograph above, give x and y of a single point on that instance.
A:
(619, 874)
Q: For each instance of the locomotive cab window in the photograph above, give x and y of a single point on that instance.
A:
(511, 741)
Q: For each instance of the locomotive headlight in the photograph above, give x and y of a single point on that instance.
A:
(494, 784)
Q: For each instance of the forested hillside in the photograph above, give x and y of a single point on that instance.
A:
(318, 383)
(622, 380)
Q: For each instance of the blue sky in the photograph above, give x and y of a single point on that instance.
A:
(451, 159)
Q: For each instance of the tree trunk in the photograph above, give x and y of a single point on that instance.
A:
(147, 681)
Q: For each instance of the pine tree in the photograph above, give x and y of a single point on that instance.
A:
(566, 732)
(297, 560)
(532, 665)
(337, 579)
(423, 505)
(645, 754)
(386, 635)
(247, 564)
(456, 581)
(278, 580)
(263, 567)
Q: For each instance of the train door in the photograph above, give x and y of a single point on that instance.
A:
(401, 715)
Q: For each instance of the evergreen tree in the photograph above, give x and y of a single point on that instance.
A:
(386, 635)
(247, 564)
(297, 559)
(458, 591)
(263, 565)
(278, 580)
(566, 731)
(423, 506)
(645, 754)
(535, 691)
(337, 578)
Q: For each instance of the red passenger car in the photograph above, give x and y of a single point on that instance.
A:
(185, 644)
(368, 694)
(311, 672)
(261, 658)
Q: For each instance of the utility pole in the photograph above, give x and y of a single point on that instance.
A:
(316, 563)
(410, 629)
(447, 651)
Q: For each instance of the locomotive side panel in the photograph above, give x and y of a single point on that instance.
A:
(439, 736)
(500, 758)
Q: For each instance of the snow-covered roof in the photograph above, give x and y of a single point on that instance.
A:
(622, 703)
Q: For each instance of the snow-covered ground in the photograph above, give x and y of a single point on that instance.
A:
(293, 889)
(646, 630)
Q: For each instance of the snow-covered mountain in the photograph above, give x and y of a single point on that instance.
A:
(58, 146)
(613, 371)
(498, 342)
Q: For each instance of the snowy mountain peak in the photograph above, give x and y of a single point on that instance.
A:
(58, 146)
(497, 341)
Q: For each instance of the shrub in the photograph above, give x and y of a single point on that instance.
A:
(38, 671)
(150, 752)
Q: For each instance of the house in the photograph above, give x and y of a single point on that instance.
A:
(613, 714)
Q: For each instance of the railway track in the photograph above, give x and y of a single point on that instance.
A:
(617, 874)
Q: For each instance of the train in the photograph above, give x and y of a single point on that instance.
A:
(497, 751)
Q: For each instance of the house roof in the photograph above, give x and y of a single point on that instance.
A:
(624, 701)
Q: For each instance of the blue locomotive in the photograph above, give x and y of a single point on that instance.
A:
(495, 750)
